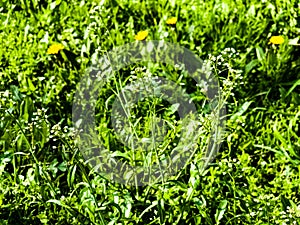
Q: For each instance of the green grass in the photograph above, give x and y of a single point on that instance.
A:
(254, 178)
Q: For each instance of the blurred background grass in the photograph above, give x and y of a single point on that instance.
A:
(253, 180)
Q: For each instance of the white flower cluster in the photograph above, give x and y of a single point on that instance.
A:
(224, 59)
(6, 100)
(222, 63)
(138, 70)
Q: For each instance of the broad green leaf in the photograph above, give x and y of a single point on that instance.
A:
(62, 166)
(241, 111)
(251, 65)
(220, 211)
(260, 54)
(30, 84)
(174, 107)
(293, 87)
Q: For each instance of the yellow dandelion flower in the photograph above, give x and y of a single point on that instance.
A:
(141, 35)
(55, 48)
(277, 40)
(172, 21)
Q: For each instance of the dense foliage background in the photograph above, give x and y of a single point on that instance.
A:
(255, 178)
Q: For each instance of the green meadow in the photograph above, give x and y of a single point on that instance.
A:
(251, 48)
